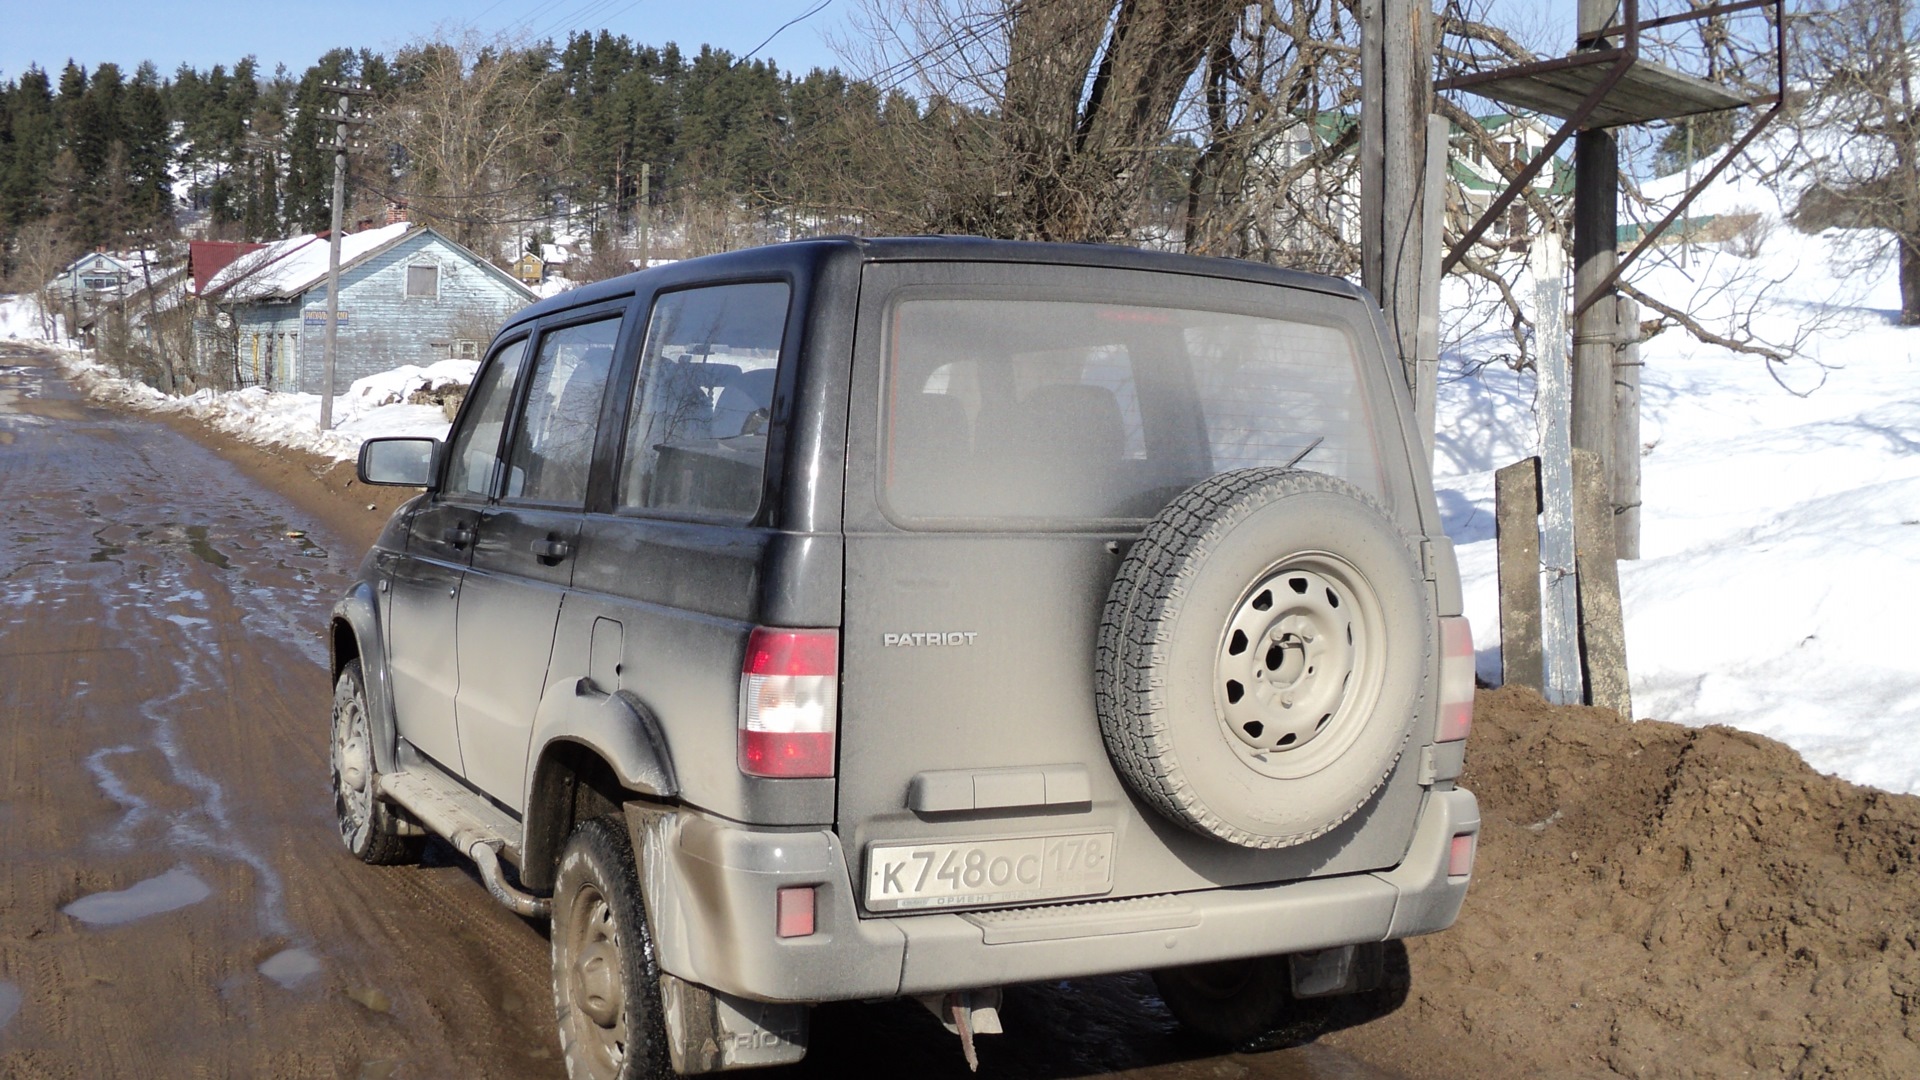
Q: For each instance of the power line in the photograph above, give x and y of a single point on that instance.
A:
(808, 14)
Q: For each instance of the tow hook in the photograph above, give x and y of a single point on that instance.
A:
(967, 1013)
(485, 854)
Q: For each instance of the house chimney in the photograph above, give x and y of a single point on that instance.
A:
(396, 212)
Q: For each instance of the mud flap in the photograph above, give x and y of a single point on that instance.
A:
(708, 1031)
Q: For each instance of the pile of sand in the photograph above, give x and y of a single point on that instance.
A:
(1655, 900)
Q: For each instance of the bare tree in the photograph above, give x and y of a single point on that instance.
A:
(1859, 132)
(477, 134)
(40, 253)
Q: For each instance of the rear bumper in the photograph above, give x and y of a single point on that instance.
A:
(710, 888)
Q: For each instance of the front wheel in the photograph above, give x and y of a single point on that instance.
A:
(366, 824)
(606, 980)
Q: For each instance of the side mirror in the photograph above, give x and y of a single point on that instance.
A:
(398, 462)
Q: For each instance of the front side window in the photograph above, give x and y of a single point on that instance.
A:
(1082, 410)
(697, 432)
(553, 442)
(475, 448)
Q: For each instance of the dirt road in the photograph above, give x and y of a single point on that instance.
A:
(173, 899)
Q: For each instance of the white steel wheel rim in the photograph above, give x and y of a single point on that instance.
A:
(595, 990)
(352, 773)
(1300, 665)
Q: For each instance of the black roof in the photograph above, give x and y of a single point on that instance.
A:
(936, 249)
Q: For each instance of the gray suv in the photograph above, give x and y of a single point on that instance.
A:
(860, 619)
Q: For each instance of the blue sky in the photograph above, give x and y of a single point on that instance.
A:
(49, 32)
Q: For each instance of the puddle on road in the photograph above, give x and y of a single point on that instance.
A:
(175, 889)
(290, 967)
(9, 1004)
(204, 550)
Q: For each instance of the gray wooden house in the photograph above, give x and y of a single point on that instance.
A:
(408, 295)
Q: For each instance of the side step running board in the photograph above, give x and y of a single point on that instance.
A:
(472, 824)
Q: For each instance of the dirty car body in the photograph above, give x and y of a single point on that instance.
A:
(809, 565)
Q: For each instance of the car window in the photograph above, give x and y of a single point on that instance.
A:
(475, 448)
(553, 442)
(697, 432)
(1086, 410)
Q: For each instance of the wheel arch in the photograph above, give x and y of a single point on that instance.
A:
(596, 753)
(353, 633)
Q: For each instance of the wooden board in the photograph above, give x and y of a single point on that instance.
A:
(1516, 514)
(1648, 91)
(1603, 635)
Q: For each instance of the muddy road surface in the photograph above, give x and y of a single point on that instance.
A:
(173, 898)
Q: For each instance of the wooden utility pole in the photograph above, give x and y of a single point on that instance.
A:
(344, 119)
(1626, 432)
(1596, 194)
(1396, 97)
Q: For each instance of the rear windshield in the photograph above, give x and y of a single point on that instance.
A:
(1075, 411)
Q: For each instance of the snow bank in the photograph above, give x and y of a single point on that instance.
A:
(374, 406)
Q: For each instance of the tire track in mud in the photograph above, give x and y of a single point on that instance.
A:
(162, 705)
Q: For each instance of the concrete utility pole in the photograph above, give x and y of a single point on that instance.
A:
(1596, 194)
(1396, 98)
(343, 120)
(1560, 620)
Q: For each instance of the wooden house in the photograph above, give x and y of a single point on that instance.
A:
(408, 295)
(531, 269)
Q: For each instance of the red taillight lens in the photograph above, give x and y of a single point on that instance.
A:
(793, 914)
(1460, 855)
(1456, 679)
(789, 703)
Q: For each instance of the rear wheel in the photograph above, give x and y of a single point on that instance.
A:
(366, 824)
(606, 982)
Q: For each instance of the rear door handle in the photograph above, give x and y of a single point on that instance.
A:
(551, 550)
(457, 535)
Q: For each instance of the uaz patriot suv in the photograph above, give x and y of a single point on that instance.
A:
(860, 619)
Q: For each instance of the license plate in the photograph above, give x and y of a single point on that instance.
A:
(906, 877)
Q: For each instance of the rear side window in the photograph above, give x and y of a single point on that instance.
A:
(553, 443)
(1076, 411)
(475, 449)
(697, 432)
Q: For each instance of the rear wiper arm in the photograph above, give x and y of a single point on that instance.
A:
(1295, 459)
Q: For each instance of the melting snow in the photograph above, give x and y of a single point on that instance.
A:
(175, 889)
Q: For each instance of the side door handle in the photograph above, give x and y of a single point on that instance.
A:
(458, 535)
(551, 551)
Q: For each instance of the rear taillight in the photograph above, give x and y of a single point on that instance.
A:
(789, 703)
(1456, 679)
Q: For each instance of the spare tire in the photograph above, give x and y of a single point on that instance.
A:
(1264, 656)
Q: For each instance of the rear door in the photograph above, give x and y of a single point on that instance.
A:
(1012, 429)
(523, 554)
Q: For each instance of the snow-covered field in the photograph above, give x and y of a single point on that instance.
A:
(1779, 585)
(1779, 588)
